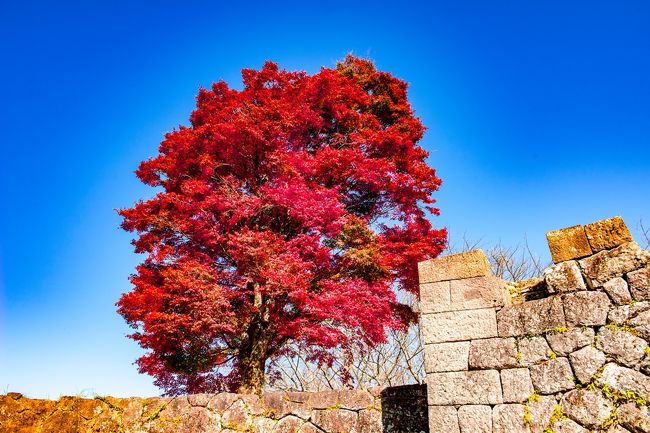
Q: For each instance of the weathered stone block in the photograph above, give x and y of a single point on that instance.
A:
(617, 290)
(443, 357)
(475, 419)
(532, 350)
(541, 410)
(355, 399)
(458, 326)
(237, 417)
(306, 428)
(454, 267)
(493, 353)
(443, 419)
(276, 404)
(639, 282)
(590, 408)
(608, 264)
(222, 401)
(586, 362)
(552, 376)
(624, 379)
(369, 421)
(466, 387)
(435, 297)
(607, 234)
(254, 404)
(477, 292)
(516, 385)
(568, 244)
(641, 323)
(571, 340)
(623, 313)
(335, 421)
(262, 425)
(564, 277)
(586, 308)
(634, 418)
(566, 425)
(289, 424)
(509, 418)
(531, 317)
(623, 346)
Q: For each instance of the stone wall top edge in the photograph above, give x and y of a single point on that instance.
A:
(468, 264)
(580, 241)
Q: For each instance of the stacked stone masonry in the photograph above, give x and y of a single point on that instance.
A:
(577, 359)
(394, 410)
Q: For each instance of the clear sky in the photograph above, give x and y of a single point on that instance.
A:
(538, 115)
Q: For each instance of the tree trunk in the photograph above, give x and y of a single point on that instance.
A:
(254, 350)
(251, 368)
(252, 359)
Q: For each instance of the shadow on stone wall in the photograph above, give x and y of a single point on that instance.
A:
(404, 409)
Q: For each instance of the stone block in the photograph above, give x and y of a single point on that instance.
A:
(641, 324)
(541, 410)
(516, 385)
(464, 387)
(635, 418)
(564, 277)
(222, 401)
(607, 234)
(291, 424)
(493, 353)
(435, 297)
(477, 292)
(617, 290)
(552, 376)
(317, 400)
(355, 399)
(443, 419)
(237, 417)
(443, 357)
(306, 428)
(586, 362)
(566, 425)
(623, 313)
(568, 244)
(639, 282)
(454, 267)
(586, 308)
(605, 265)
(369, 421)
(509, 418)
(458, 326)
(531, 317)
(624, 379)
(335, 421)
(623, 346)
(532, 350)
(589, 408)
(571, 340)
(475, 419)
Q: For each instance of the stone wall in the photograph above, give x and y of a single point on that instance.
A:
(565, 353)
(394, 410)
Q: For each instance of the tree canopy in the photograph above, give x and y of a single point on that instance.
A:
(291, 210)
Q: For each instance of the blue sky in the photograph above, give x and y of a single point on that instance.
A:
(538, 117)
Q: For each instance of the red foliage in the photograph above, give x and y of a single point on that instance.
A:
(290, 210)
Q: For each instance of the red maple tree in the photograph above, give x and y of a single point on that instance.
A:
(291, 210)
